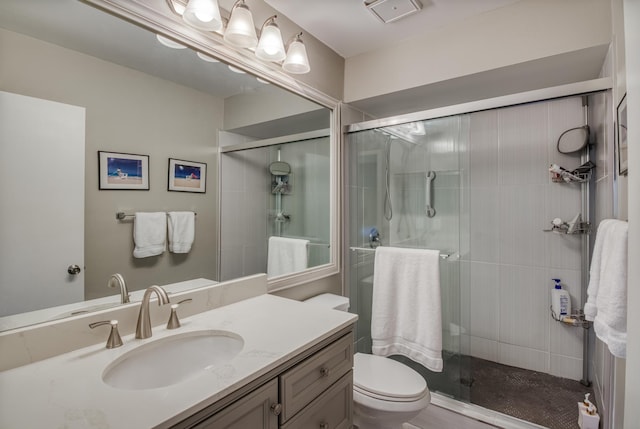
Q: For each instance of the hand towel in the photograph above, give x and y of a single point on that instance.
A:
(286, 255)
(406, 312)
(182, 227)
(149, 234)
(607, 292)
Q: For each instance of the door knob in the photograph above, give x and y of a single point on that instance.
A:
(73, 269)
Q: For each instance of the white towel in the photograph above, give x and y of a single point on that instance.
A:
(286, 255)
(607, 292)
(406, 315)
(182, 228)
(149, 234)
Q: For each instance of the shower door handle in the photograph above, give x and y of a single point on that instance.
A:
(428, 197)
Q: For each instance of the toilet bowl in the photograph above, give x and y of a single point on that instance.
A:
(386, 393)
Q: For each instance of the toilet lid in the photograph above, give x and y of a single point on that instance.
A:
(384, 377)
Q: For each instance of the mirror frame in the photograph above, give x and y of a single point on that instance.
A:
(157, 16)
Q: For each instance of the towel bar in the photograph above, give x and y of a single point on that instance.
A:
(123, 215)
(366, 249)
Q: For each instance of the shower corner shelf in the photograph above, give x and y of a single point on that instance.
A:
(576, 320)
(581, 228)
(581, 174)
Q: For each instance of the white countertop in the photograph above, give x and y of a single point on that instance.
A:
(67, 391)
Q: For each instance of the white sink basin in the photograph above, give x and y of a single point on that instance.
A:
(173, 359)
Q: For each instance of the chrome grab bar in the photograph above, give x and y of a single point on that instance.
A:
(428, 197)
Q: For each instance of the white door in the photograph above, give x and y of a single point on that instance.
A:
(41, 203)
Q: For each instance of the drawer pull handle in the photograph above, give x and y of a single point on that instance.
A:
(276, 409)
(324, 371)
(324, 425)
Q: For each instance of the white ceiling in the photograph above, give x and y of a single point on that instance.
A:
(349, 28)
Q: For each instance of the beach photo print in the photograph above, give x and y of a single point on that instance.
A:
(187, 176)
(123, 171)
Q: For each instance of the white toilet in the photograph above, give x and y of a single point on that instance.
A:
(386, 393)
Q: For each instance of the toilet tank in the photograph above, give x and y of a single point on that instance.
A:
(330, 300)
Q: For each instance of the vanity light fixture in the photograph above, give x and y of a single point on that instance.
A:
(203, 15)
(296, 61)
(170, 43)
(241, 31)
(270, 47)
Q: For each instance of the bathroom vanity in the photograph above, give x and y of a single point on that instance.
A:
(293, 370)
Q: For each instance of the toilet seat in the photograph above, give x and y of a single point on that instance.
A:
(384, 379)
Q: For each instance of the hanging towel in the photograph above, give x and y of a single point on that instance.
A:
(149, 234)
(181, 231)
(406, 315)
(607, 292)
(286, 255)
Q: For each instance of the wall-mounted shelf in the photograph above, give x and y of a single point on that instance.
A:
(581, 174)
(577, 319)
(574, 226)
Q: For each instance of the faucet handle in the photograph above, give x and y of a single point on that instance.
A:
(174, 322)
(114, 339)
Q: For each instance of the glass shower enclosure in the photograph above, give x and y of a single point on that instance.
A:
(477, 187)
(405, 184)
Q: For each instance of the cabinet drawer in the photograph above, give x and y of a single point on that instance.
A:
(331, 410)
(303, 383)
(252, 411)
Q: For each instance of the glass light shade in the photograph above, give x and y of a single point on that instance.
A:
(241, 31)
(169, 43)
(203, 15)
(296, 61)
(207, 58)
(270, 47)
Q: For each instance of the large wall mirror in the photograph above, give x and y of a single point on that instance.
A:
(77, 82)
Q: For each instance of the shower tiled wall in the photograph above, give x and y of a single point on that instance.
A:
(507, 260)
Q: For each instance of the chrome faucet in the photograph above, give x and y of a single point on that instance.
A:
(143, 329)
(117, 279)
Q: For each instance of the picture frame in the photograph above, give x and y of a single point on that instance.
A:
(123, 171)
(187, 176)
(622, 136)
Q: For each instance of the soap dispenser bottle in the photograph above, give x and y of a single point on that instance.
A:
(560, 301)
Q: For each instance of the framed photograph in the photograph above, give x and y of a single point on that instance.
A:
(124, 171)
(622, 136)
(187, 176)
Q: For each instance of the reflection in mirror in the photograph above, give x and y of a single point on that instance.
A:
(80, 76)
(275, 200)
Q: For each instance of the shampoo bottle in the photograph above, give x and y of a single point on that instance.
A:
(560, 301)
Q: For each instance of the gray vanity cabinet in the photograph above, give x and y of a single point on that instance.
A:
(312, 390)
(256, 410)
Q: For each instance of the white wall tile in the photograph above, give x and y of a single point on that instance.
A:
(485, 299)
(484, 224)
(523, 357)
(522, 219)
(483, 149)
(524, 306)
(564, 114)
(484, 349)
(565, 367)
(523, 152)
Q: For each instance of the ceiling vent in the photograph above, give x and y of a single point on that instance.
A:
(392, 10)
